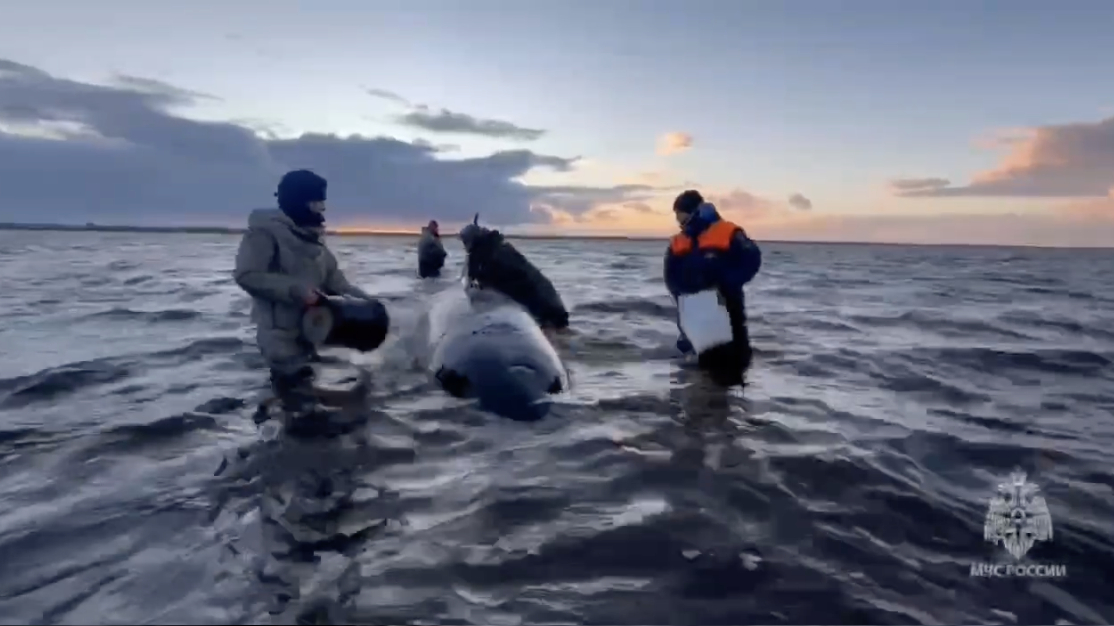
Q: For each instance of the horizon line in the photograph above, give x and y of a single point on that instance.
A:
(371, 232)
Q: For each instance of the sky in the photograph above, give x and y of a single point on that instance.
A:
(866, 120)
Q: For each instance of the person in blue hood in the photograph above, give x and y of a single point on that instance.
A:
(286, 268)
(713, 253)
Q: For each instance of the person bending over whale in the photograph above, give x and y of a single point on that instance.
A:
(494, 263)
(431, 252)
(713, 253)
(285, 266)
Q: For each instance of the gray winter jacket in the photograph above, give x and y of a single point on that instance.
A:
(280, 264)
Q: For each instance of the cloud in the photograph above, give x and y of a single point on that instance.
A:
(1098, 209)
(653, 212)
(436, 147)
(1002, 138)
(674, 143)
(909, 185)
(653, 177)
(1054, 161)
(767, 221)
(745, 207)
(441, 120)
(446, 121)
(157, 87)
(640, 207)
(1025, 229)
(556, 217)
(385, 94)
(799, 202)
(1088, 223)
(624, 211)
(741, 202)
(578, 200)
(73, 151)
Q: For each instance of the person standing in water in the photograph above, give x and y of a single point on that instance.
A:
(431, 253)
(713, 253)
(493, 263)
(286, 268)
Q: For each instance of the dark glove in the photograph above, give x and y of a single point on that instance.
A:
(684, 345)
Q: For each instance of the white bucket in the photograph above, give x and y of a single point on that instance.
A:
(704, 320)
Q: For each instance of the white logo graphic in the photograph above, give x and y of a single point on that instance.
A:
(1018, 516)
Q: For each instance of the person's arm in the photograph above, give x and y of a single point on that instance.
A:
(550, 307)
(523, 282)
(539, 296)
(670, 273)
(547, 302)
(255, 274)
(337, 283)
(745, 260)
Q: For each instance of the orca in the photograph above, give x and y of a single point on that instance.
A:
(482, 345)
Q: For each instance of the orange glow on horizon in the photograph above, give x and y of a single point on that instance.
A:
(1073, 224)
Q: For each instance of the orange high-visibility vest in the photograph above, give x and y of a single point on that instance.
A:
(716, 237)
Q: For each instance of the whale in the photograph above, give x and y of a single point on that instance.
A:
(481, 345)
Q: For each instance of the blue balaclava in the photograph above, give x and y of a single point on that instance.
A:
(295, 191)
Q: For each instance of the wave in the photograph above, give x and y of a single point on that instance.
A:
(846, 482)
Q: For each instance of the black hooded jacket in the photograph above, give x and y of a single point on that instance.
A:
(494, 263)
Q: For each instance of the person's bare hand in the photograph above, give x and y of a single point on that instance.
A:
(312, 298)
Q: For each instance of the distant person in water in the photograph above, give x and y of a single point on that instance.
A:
(285, 266)
(493, 263)
(713, 253)
(431, 253)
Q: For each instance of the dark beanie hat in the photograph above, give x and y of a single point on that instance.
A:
(688, 201)
(299, 188)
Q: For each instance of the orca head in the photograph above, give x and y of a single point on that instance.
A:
(513, 379)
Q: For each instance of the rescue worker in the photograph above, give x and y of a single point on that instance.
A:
(431, 253)
(285, 266)
(713, 253)
(493, 263)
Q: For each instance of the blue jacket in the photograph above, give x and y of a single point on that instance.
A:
(700, 270)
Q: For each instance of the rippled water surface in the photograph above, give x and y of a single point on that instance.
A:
(893, 389)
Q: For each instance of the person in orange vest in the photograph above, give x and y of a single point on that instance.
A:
(713, 253)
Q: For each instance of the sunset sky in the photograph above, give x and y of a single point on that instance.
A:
(871, 120)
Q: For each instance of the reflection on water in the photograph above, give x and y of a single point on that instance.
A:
(893, 388)
(314, 511)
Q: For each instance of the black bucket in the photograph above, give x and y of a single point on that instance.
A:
(346, 322)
